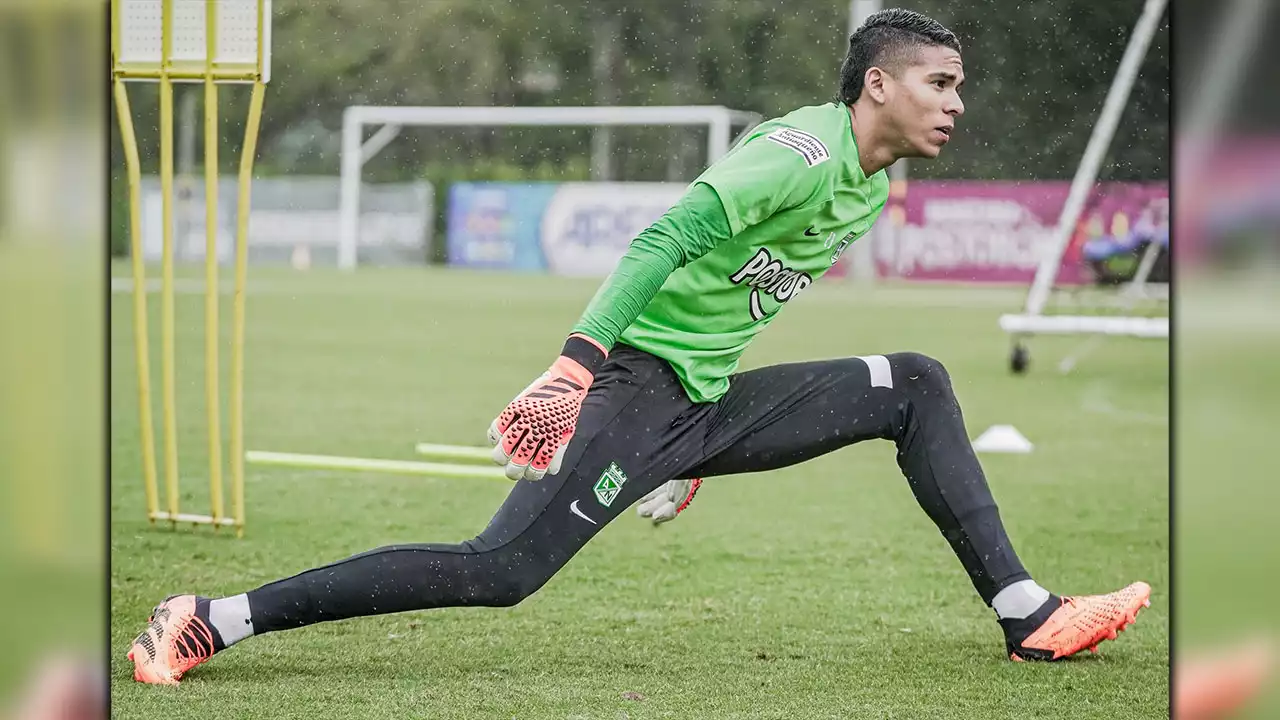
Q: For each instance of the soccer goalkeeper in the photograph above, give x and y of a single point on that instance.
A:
(645, 396)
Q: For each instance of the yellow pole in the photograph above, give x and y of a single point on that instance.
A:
(211, 264)
(115, 33)
(237, 342)
(134, 166)
(166, 306)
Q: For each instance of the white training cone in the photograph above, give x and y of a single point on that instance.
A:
(1002, 439)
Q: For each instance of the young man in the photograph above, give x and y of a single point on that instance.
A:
(646, 391)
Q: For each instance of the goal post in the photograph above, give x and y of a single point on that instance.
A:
(1032, 320)
(356, 150)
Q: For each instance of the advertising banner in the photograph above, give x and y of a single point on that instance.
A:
(579, 229)
(291, 217)
(953, 231)
(996, 232)
(495, 225)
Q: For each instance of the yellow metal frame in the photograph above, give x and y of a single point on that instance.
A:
(182, 69)
(211, 73)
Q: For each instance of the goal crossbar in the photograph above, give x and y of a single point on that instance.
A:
(356, 151)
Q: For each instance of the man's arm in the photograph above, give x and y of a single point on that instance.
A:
(756, 180)
(686, 232)
(683, 234)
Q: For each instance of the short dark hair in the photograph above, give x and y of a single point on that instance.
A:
(888, 39)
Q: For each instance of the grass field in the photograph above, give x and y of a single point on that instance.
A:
(819, 591)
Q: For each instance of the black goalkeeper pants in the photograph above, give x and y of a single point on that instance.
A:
(637, 430)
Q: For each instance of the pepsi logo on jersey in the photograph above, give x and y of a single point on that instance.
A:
(764, 274)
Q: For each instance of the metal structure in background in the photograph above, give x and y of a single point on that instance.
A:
(196, 41)
(356, 151)
(1033, 320)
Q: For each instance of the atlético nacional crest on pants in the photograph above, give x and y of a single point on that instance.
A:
(610, 484)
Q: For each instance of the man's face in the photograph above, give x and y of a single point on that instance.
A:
(924, 101)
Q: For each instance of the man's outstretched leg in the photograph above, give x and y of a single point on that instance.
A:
(782, 415)
(637, 430)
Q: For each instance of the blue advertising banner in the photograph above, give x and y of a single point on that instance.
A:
(578, 229)
(495, 225)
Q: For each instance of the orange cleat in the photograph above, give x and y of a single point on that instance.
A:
(177, 639)
(1074, 624)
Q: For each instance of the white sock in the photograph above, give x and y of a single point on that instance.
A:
(1019, 600)
(230, 617)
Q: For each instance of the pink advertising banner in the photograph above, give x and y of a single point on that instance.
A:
(996, 232)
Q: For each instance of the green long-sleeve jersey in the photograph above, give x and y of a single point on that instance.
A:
(753, 231)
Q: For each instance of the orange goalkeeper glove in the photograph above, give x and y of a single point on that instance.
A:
(531, 435)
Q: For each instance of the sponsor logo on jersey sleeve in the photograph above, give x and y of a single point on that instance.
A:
(809, 147)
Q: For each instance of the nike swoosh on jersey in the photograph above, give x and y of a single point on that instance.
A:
(812, 234)
(573, 507)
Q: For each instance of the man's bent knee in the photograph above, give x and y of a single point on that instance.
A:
(918, 374)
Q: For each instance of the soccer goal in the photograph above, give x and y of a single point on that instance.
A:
(356, 150)
(1121, 321)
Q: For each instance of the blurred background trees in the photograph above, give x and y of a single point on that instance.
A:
(1038, 71)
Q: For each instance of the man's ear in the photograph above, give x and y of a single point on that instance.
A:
(874, 82)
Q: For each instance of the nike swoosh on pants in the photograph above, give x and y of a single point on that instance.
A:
(573, 507)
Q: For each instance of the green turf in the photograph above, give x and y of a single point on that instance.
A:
(819, 591)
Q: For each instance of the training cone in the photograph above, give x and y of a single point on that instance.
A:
(1002, 439)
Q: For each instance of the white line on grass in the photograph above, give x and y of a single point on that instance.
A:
(1095, 400)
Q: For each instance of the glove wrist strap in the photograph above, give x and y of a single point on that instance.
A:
(585, 351)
